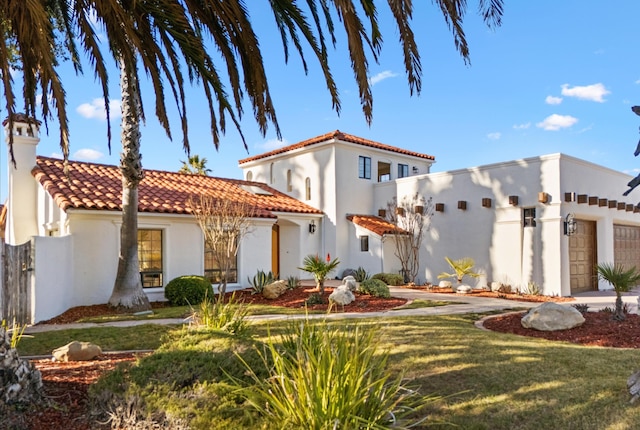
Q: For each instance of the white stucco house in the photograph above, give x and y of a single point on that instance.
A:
(319, 196)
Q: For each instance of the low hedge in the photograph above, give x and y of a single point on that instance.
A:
(188, 290)
(389, 278)
(374, 287)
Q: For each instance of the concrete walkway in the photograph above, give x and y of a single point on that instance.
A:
(461, 304)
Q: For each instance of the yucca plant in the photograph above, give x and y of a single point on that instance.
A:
(319, 268)
(325, 377)
(621, 279)
(261, 280)
(461, 268)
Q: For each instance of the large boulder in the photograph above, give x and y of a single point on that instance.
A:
(342, 296)
(274, 289)
(77, 351)
(551, 316)
(350, 282)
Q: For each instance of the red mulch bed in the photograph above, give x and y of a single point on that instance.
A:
(497, 295)
(66, 384)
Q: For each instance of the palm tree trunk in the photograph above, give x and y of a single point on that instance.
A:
(619, 314)
(127, 290)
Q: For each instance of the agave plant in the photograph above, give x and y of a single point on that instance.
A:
(319, 268)
(622, 280)
(461, 268)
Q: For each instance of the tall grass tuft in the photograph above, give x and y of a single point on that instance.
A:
(229, 315)
(325, 377)
(13, 333)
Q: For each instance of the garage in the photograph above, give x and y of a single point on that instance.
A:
(626, 245)
(582, 257)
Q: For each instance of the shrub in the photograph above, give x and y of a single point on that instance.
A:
(315, 299)
(583, 308)
(229, 315)
(188, 290)
(261, 280)
(389, 278)
(374, 287)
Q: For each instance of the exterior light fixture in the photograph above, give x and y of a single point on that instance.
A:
(312, 227)
(570, 225)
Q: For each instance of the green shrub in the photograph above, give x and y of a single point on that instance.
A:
(389, 278)
(229, 315)
(188, 290)
(261, 280)
(374, 287)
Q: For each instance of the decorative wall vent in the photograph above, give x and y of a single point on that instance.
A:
(582, 198)
(593, 200)
(439, 207)
(603, 202)
(622, 206)
(462, 205)
(486, 202)
(382, 213)
(629, 208)
(543, 197)
(419, 209)
(513, 200)
(613, 204)
(569, 197)
(400, 211)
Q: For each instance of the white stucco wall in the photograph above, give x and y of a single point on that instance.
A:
(53, 265)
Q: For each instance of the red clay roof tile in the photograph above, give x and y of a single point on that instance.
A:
(377, 225)
(338, 135)
(99, 186)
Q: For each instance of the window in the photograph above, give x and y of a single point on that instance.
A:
(289, 185)
(529, 217)
(384, 171)
(212, 269)
(150, 257)
(271, 178)
(364, 243)
(249, 175)
(307, 189)
(364, 167)
(403, 170)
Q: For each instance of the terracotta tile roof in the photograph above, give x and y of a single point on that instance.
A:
(377, 225)
(338, 135)
(21, 117)
(98, 186)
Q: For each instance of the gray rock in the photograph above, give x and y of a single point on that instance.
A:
(342, 295)
(463, 289)
(274, 289)
(77, 351)
(444, 284)
(551, 316)
(20, 381)
(350, 282)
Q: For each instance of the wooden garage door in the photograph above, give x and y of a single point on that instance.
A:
(582, 257)
(626, 245)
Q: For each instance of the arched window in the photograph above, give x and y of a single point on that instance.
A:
(289, 185)
(249, 175)
(307, 189)
(271, 178)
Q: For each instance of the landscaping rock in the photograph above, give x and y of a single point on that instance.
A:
(463, 289)
(274, 289)
(551, 316)
(342, 295)
(77, 351)
(444, 284)
(20, 381)
(350, 282)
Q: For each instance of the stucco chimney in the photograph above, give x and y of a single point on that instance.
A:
(22, 202)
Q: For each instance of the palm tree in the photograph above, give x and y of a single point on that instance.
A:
(621, 279)
(164, 37)
(195, 165)
(319, 268)
(461, 268)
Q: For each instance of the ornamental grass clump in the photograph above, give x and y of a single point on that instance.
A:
(229, 315)
(330, 377)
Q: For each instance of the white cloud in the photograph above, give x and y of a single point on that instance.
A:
(494, 136)
(56, 155)
(594, 92)
(272, 144)
(555, 122)
(522, 126)
(96, 110)
(87, 154)
(552, 100)
(381, 77)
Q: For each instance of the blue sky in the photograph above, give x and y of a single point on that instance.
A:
(557, 76)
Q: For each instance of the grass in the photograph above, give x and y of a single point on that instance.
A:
(485, 380)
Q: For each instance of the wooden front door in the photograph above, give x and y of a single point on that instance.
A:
(582, 257)
(626, 245)
(275, 249)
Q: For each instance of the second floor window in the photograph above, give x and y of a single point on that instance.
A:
(364, 167)
(403, 170)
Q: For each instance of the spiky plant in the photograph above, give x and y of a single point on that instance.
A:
(461, 268)
(319, 268)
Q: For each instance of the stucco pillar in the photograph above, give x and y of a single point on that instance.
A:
(21, 222)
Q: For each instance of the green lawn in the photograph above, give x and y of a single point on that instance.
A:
(485, 380)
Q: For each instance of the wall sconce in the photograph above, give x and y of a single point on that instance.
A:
(570, 225)
(486, 202)
(543, 197)
(312, 227)
(414, 169)
(513, 200)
